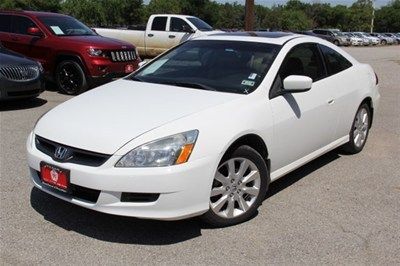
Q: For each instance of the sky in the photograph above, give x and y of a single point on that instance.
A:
(378, 3)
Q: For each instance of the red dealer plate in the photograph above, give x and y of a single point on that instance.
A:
(54, 176)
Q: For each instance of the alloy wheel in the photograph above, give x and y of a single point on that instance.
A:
(70, 78)
(235, 188)
(361, 126)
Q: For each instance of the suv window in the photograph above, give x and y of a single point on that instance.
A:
(21, 24)
(179, 25)
(5, 23)
(159, 23)
(334, 61)
(320, 32)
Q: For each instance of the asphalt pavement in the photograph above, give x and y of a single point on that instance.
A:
(338, 209)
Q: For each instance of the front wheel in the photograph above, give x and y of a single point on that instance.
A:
(70, 78)
(359, 130)
(239, 187)
(336, 42)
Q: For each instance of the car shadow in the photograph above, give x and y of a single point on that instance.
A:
(127, 230)
(21, 104)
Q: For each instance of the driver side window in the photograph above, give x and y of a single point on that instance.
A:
(304, 60)
(179, 25)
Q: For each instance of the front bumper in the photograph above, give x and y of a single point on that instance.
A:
(183, 190)
(12, 90)
(103, 70)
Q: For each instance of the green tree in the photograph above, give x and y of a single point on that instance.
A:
(36, 5)
(387, 18)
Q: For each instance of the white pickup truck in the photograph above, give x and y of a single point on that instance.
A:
(163, 31)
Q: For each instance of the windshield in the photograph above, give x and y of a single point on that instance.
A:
(225, 66)
(199, 24)
(66, 26)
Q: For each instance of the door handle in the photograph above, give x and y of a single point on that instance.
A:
(150, 35)
(171, 36)
(332, 101)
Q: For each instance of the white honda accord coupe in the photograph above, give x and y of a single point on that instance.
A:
(204, 128)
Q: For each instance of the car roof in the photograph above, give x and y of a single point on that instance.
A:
(253, 36)
(31, 13)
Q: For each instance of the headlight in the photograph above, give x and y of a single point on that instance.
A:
(94, 52)
(171, 150)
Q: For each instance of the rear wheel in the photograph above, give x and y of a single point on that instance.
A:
(70, 77)
(336, 42)
(239, 187)
(359, 130)
(383, 42)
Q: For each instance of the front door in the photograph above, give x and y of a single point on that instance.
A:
(303, 122)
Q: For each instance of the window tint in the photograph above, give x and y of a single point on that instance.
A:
(304, 60)
(5, 23)
(179, 25)
(159, 23)
(21, 24)
(334, 61)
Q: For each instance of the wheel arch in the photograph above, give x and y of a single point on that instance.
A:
(369, 102)
(252, 140)
(66, 56)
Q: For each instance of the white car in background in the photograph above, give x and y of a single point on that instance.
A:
(373, 40)
(204, 128)
(354, 39)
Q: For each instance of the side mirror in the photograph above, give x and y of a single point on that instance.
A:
(143, 63)
(295, 83)
(34, 31)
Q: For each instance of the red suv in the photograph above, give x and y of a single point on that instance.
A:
(72, 55)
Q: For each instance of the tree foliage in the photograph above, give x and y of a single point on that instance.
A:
(294, 15)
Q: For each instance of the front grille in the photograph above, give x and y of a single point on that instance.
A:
(139, 197)
(75, 155)
(19, 73)
(123, 56)
(84, 193)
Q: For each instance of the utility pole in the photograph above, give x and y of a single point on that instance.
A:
(373, 16)
(249, 16)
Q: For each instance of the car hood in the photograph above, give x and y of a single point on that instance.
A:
(106, 118)
(98, 41)
(8, 57)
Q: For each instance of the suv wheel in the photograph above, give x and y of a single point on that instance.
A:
(70, 78)
(383, 42)
(336, 42)
(239, 187)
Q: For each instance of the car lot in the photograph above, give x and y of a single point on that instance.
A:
(336, 209)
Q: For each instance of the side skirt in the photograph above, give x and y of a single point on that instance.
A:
(302, 161)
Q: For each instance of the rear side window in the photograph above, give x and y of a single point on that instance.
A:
(5, 23)
(334, 61)
(21, 24)
(159, 23)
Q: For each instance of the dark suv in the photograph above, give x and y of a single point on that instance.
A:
(334, 36)
(72, 55)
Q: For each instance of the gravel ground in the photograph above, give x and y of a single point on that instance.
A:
(337, 209)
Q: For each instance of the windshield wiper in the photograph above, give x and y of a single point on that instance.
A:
(191, 85)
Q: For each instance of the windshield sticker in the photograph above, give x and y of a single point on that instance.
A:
(57, 30)
(248, 82)
(253, 76)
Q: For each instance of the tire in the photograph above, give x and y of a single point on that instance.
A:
(229, 202)
(336, 42)
(359, 129)
(70, 78)
(383, 42)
